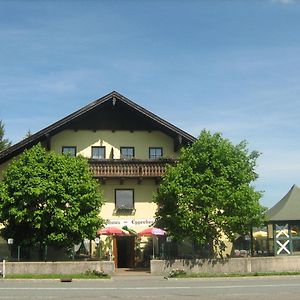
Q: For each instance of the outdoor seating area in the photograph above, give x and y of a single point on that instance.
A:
(279, 236)
(281, 233)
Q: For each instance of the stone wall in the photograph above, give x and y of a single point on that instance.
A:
(71, 267)
(163, 267)
(231, 265)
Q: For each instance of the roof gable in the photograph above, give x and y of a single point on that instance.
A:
(113, 112)
(288, 208)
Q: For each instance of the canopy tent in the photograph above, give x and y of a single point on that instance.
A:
(284, 219)
(288, 208)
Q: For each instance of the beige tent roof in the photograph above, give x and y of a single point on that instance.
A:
(288, 208)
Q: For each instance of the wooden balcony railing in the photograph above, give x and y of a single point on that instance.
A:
(129, 168)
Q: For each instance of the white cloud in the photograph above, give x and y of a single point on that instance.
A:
(284, 1)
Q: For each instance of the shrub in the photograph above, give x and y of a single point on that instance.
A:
(177, 273)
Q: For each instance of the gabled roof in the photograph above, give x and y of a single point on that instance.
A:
(99, 115)
(288, 208)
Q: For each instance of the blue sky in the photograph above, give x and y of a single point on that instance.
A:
(228, 66)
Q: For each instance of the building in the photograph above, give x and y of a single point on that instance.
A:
(284, 224)
(128, 149)
(281, 234)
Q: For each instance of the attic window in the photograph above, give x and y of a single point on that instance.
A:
(127, 152)
(98, 152)
(71, 150)
(155, 152)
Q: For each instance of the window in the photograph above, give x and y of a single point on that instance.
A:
(71, 150)
(127, 152)
(155, 152)
(124, 199)
(98, 152)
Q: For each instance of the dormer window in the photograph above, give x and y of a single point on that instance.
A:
(155, 152)
(70, 150)
(127, 152)
(98, 152)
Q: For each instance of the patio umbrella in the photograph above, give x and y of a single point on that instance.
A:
(152, 231)
(260, 234)
(111, 231)
(285, 232)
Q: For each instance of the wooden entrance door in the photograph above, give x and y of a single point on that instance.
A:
(124, 251)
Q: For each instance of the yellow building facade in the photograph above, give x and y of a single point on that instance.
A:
(128, 149)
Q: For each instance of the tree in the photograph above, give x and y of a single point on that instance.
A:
(209, 192)
(4, 143)
(49, 199)
(28, 134)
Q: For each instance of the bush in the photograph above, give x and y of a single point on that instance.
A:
(95, 273)
(177, 273)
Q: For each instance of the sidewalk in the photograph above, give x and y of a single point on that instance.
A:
(131, 272)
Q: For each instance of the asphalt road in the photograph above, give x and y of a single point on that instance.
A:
(154, 287)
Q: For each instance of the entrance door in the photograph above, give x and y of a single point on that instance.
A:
(125, 251)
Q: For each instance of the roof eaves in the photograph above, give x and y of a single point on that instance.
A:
(37, 137)
(42, 134)
(156, 118)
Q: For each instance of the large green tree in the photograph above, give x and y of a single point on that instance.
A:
(209, 192)
(49, 199)
(4, 143)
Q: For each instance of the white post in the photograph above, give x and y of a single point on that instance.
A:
(153, 249)
(3, 268)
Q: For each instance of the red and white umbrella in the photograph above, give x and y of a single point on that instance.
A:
(152, 231)
(111, 231)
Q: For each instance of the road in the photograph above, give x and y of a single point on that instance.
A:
(155, 287)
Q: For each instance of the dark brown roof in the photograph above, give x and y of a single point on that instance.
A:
(120, 113)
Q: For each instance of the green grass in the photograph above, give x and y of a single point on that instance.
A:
(206, 275)
(87, 275)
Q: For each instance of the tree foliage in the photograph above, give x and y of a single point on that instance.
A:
(209, 193)
(28, 134)
(4, 143)
(49, 198)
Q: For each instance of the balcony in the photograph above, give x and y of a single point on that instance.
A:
(117, 168)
